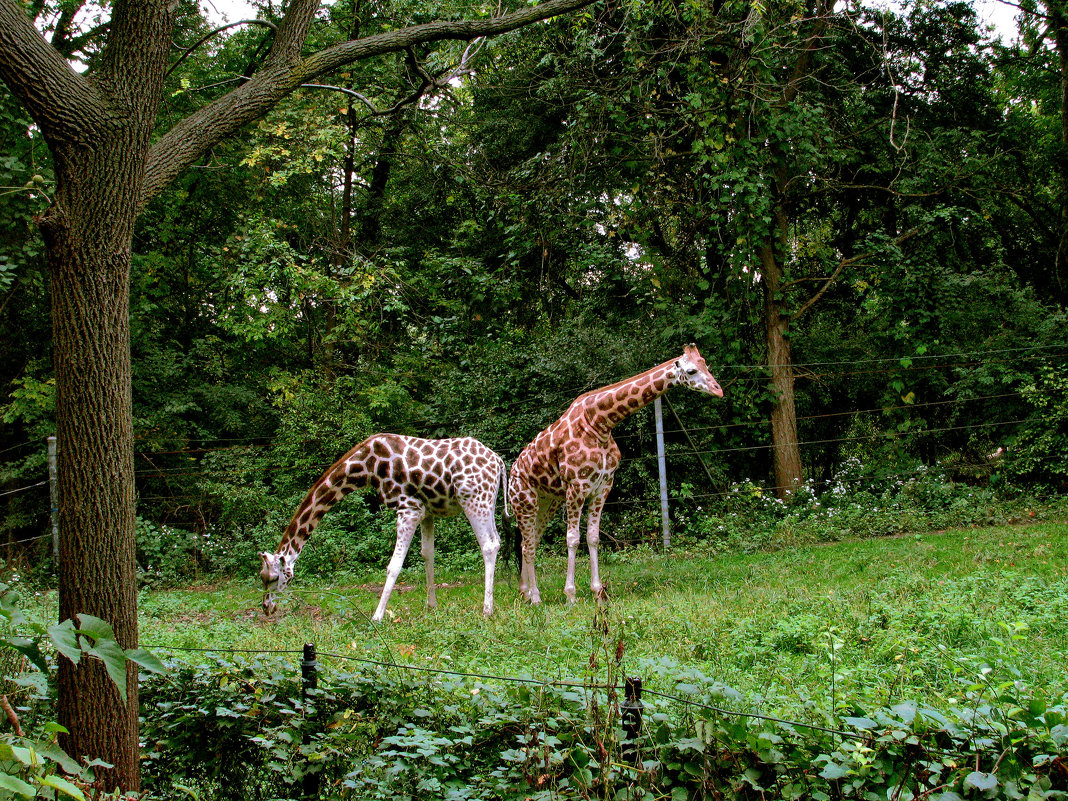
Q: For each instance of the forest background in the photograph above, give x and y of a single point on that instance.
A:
(859, 215)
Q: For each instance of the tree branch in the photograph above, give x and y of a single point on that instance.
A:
(284, 71)
(848, 263)
(62, 102)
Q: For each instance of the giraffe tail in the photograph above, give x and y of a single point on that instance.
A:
(510, 542)
(504, 486)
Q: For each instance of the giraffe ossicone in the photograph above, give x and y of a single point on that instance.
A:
(574, 460)
(423, 479)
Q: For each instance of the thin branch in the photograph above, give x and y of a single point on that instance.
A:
(343, 90)
(189, 51)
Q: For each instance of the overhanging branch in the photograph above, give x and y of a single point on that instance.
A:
(850, 262)
(284, 71)
(61, 101)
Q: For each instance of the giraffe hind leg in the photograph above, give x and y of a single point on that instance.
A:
(426, 529)
(489, 542)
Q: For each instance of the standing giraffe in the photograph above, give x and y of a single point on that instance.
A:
(575, 459)
(422, 479)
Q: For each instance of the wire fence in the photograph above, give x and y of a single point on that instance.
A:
(196, 483)
(587, 684)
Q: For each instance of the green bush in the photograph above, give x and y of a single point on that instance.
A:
(240, 727)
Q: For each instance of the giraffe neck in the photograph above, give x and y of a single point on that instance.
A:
(341, 478)
(606, 407)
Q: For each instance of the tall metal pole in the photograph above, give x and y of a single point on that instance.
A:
(53, 494)
(661, 463)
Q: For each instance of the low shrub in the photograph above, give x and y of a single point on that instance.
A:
(239, 725)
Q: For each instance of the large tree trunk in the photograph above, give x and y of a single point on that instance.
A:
(88, 233)
(88, 237)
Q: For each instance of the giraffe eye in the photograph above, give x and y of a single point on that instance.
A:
(692, 371)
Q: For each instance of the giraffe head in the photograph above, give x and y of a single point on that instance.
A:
(275, 571)
(691, 371)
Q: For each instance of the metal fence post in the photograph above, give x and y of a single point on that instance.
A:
(661, 463)
(53, 495)
(309, 680)
(631, 714)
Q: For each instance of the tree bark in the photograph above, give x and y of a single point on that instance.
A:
(786, 453)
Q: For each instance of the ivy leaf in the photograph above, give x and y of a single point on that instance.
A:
(29, 649)
(831, 771)
(145, 659)
(114, 659)
(95, 627)
(981, 781)
(864, 724)
(65, 638)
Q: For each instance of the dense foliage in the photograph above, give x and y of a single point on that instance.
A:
(380, 733)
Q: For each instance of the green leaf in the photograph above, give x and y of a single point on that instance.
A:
(981, 781)
(114, 659)
(60, 757)
(145, 659)
(95, 627)
(861, 723)
(17, 785)
(832, 771)
(65, 639)
(29, 649)
(63, 786)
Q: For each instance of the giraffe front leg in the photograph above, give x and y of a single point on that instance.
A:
(576, 497)
(593, 538)
(426, 529)
(406, 523)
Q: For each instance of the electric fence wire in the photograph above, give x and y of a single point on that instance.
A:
(852, 735)
(16, 447)
(23, 489)
(565, 394)
(186, 471)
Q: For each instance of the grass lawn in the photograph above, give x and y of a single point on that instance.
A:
(885, 620)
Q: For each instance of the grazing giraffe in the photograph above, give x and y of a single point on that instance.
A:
(575, 459)
(422, 479)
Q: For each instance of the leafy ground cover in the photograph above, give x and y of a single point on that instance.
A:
(939, 655)
(895, 615)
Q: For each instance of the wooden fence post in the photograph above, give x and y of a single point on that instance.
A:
(309, 680)
(631, 714)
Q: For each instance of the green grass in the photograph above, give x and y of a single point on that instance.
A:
(888, 619)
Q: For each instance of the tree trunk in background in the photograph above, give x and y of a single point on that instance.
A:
(1058, 23)
(785, 451)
